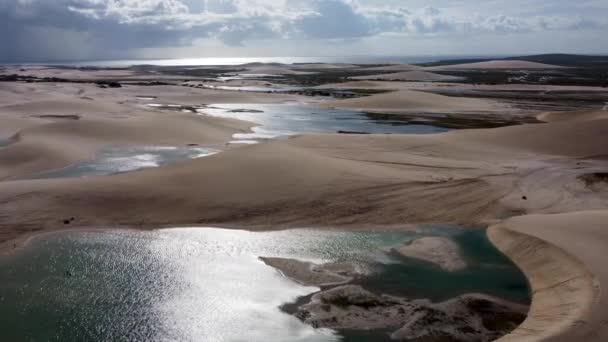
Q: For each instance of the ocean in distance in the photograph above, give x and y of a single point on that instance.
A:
(206, 61)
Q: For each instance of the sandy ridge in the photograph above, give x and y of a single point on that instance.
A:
(468, 177)
(497, 64)
(586, 114)
(404, 101)
(394, 67)
(409, 76)
(561, 255)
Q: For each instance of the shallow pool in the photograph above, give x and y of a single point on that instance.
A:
(192, 284)
(125, 159)
(286, 119)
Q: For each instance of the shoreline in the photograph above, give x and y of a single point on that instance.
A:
(567, 301)
(15, 245)
(522, 248)
(449, 305)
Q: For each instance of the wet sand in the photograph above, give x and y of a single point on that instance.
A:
(441, 251)
(311, 274)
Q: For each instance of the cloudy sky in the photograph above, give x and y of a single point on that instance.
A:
(53, 30)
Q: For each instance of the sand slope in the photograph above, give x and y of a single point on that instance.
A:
(497, 64)
(395, 67)
(580, 139)
(414, 101)
(573, 115)
(58, 144)
(464, 177)
(272, 70)
(71, 73)
(53, 125)
(320, 66)
(563, 255)
(409, 76)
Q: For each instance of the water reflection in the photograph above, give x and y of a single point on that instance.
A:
(125, 159)
(286, 119)
(191, 284)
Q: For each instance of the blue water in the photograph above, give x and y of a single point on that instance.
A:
(286, 119)
(193, 284)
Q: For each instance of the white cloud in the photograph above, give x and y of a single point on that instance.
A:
(123, 26)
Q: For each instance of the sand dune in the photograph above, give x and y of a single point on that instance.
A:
(57, 144)
(363, 85)
(563, 256)
(405, 85)
(330, 180)
(395, 67)
(322, 66)
(70, 73)
(409, 76)
(580, 139)
(61, 106)
(9, 126)
(365, 181)
(573, 115)
(273, 70)
(497, 64)
(404, 101)
(105, 118)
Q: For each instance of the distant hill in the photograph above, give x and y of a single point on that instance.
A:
(566, 59)
(569, 60)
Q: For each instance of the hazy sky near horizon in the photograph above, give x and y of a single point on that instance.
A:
(51, 30)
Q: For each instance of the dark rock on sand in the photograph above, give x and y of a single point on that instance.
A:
(351, 132)
(594, 178)
(59, 116)
(471, 317)
(246, 111)
(108, 84)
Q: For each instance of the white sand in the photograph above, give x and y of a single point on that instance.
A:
(409, 76)
(586, 114)
(273, 70)
(408, 101)
(497, 64)
(320, 66)
(564, 258)
(469, 177)
(394, 67)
